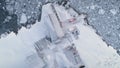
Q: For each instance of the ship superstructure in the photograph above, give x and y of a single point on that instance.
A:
(57, 49)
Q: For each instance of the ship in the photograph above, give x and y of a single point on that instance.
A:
(57, 48)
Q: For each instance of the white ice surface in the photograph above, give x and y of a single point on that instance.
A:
(94, 51)
(12, 51)
(23, 18)
(101, 11)
(114, 11)
(15, 48)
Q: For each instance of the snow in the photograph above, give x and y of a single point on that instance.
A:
(12, 51)
(92, 49)
(23, 18)
(18, 47)
(101, 11)
(35, 33)
(113, 11)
